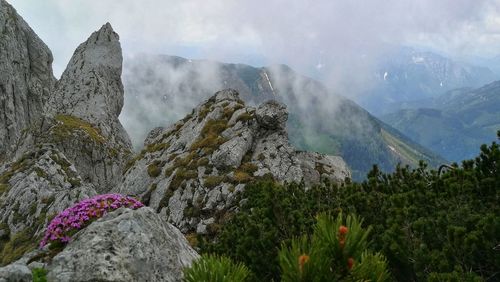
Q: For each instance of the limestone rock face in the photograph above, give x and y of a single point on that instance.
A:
(124, 245)
(33, 189)
(26, 79)
(194, 171)
(90, 88)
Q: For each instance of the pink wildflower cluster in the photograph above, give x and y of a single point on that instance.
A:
(82, 214)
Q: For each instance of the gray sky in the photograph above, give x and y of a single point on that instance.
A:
(309, 35)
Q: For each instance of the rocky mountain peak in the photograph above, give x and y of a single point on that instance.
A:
(228, 94)
(193, 171)
(66, 143)
(90, 88)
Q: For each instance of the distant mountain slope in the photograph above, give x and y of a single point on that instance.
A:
(160, 88)
(456, 125)
(410, 75)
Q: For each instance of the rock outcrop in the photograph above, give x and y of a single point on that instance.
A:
(26, 79)
(193, 171)
(124, 245)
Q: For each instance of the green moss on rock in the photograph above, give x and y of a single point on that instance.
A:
(182, 175)
(244, 117)
(249, 168)
(153, 169)
(68, 124)
(18, 245)
(40, 172)
(213, 181)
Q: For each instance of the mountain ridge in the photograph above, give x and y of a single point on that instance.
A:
(462, 120)
(320, 120)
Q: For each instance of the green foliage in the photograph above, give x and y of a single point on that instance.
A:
(204, 112)
(203, 162)
(214, 127)
(335, 252)
(271, 213)
(39, 275)
(216, 269)
(17, 245)
(248, 167)
(3, 188)
(429, 225)
(241, 177)
(227, 113)
(151, 148)
(40, 172)
(182, 174)
(154, 170)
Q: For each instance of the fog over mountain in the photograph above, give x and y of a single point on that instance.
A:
(382, 55)
(339, 41)
(408, 75)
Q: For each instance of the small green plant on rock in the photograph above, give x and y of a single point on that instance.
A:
(39, 275)
(216, 269)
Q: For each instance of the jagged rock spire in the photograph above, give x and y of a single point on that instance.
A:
(91, 88)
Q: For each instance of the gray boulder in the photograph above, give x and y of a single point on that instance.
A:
(124, 245)
(272, 115)
(15, 272)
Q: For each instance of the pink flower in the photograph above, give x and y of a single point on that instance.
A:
(83, 213)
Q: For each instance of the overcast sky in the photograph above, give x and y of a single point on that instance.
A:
(308, 35)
